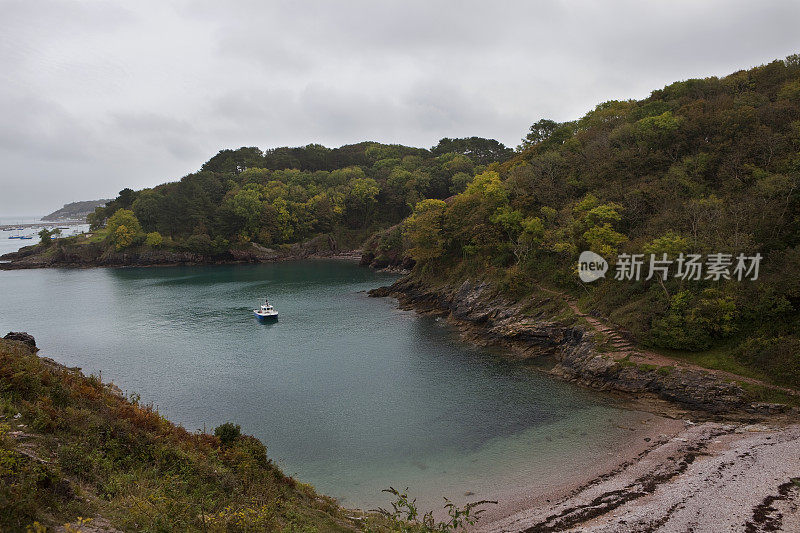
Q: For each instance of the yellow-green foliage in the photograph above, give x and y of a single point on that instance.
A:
(423, 229)
(123, 228)
(154, 239)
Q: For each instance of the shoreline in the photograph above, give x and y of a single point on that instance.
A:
(346, 255)
(702, 468)
(706, 477)
(518, 500)
(487, 319)
(669, 473)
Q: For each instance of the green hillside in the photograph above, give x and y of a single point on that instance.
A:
(702, 166)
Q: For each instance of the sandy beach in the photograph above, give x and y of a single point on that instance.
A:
(707, 476)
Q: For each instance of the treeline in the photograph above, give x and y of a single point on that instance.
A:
(287, 195)
(702, 166)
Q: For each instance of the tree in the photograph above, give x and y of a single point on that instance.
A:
(247, 206)
(670, 243)
(480, 150)
(148, 208)
(235, 161)
(126, 198)
(423, 230)
(530, 238)
(123, 236)
(459, 182)
(657, 132)
(123, 228)
(604, 240)
(360, 198)
(46, 235)
(538, 132)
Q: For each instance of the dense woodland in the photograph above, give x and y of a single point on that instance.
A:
(287, 195)
(701, 166)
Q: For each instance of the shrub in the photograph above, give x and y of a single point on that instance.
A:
(405, 516)
(154, 239)
(693, 323)
(778, 357)
(199, 243)
(228, 432)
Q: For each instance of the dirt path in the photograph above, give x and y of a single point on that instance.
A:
(622, 348)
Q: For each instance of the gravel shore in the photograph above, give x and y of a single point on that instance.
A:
(707, 477)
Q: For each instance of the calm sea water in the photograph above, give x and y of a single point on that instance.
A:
(8, 245)
(348, 392)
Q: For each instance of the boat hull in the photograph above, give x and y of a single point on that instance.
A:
(269, 317)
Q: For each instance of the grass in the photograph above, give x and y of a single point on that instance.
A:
(759, 393)
(717, 358)
(96, 236)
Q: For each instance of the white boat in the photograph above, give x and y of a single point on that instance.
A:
(266, 312)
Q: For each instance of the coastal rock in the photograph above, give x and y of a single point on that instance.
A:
(366, 259)
(490, 318)
(21, 336)
(320, 246)
(96, 254)
(254, 253)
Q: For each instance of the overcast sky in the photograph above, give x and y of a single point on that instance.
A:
(99, 95)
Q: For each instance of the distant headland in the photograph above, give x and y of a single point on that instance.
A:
(75, 210)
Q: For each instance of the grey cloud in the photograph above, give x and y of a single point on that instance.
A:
(99, 95)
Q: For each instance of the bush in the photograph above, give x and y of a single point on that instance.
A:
(199, 243)
(154, 239)
(406, 517)
(228, 432)
(693, 323)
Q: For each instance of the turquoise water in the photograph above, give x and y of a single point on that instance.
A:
(348, 392)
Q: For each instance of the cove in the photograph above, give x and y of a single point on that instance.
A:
(348, 393)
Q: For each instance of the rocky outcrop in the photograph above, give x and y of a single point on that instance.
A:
(490, 318)
(255, 253)
(93, 254)
(384, 250)
(692, 389)
(22, 336)
(383, 261)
